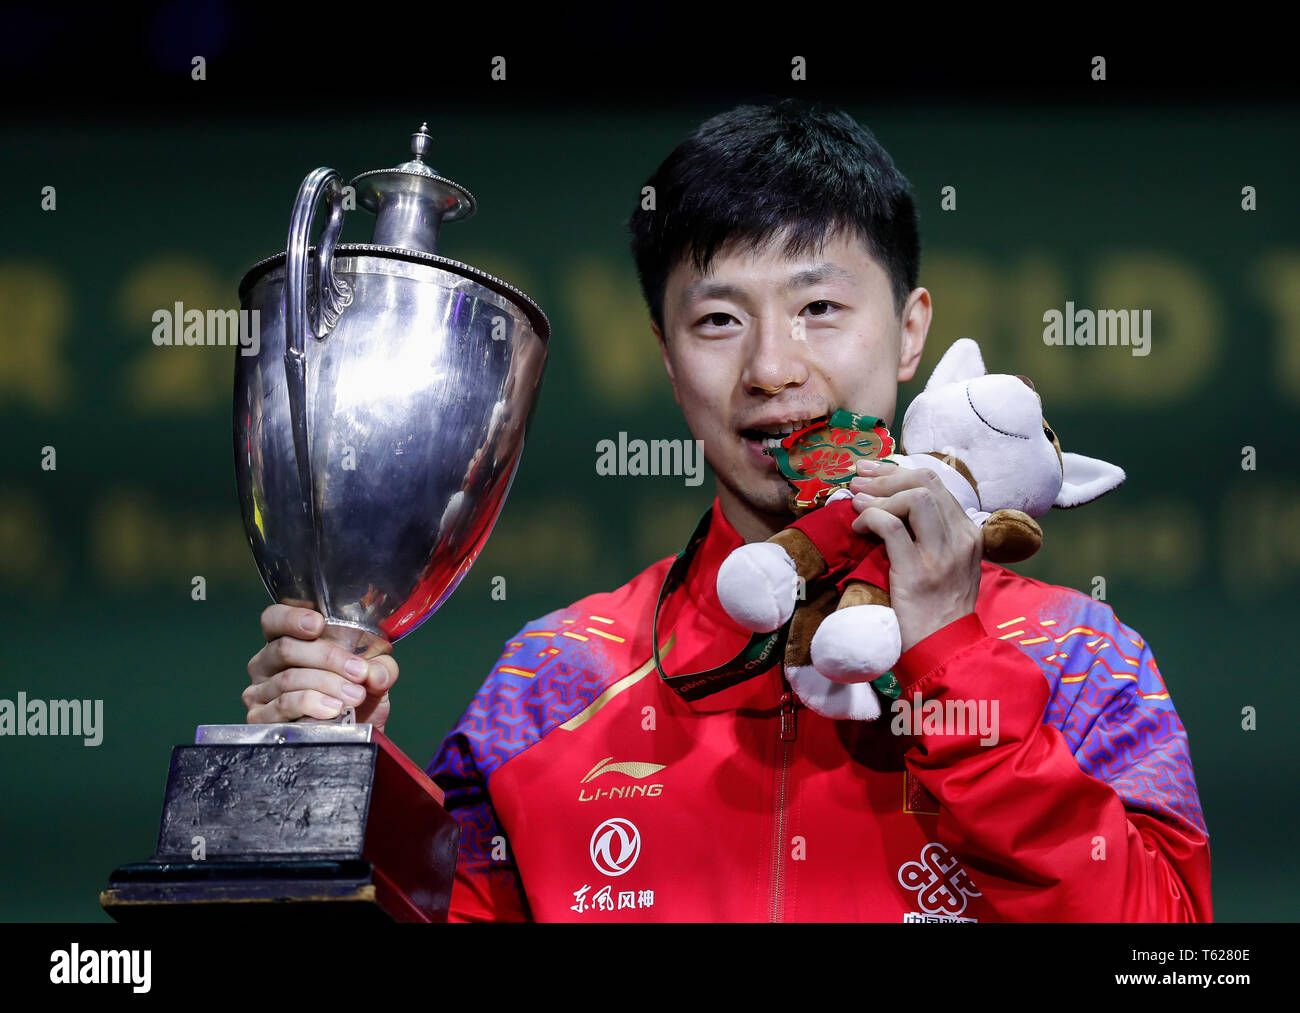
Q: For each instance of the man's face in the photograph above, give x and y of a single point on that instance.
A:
(764, 342)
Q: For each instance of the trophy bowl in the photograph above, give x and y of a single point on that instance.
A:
(380, 423)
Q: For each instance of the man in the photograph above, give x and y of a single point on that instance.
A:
(779, 264)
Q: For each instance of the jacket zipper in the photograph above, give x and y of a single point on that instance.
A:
(789, 728)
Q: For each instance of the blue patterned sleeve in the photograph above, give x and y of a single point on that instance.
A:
(1110, 702)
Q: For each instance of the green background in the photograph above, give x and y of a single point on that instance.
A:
(1108, 209)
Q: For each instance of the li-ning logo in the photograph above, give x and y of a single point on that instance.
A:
(632, 768)
(615, 846)
(638, 769)
(942, 885)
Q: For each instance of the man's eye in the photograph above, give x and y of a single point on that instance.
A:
(820, 308)
(718, 319)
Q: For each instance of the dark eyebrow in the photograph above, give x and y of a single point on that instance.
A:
(706, 289)
(820, 273)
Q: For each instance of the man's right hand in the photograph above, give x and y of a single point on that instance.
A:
(298, 674)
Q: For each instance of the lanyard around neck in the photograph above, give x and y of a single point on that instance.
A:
(762, 651)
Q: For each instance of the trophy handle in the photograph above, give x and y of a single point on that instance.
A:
(332, 294)
(332, 297)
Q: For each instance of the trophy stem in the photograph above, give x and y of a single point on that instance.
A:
(360, 642)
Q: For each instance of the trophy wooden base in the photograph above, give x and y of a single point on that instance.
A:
(350, 831)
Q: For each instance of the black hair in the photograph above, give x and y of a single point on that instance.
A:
(747, 173)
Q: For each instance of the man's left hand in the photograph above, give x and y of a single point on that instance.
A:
(934, 571)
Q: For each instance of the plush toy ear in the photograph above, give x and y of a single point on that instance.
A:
(962, 361)
(1086, 478)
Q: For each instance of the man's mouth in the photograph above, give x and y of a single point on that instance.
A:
(769, 437)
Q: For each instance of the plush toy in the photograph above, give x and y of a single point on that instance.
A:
(983, 435)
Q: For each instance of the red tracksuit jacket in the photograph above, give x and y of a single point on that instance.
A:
(588, 790)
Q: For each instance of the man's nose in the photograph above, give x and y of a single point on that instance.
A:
(778, 357)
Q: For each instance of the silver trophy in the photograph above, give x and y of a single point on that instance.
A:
(377, 432)
(379, 427)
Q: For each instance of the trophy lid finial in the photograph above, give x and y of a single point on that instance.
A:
(421, 141)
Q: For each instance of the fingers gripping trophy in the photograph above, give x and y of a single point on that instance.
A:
(377, 432)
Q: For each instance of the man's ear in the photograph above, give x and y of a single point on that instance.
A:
(668, 365)
(917, 314)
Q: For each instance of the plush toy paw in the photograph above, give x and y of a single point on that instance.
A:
(839, 701)
(857, 644)
(756, 585)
